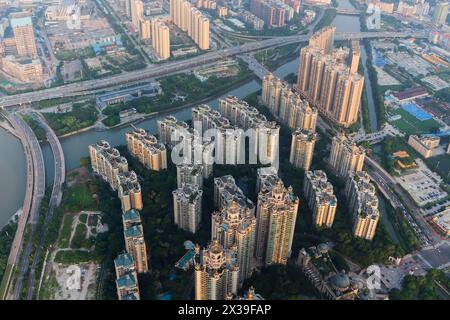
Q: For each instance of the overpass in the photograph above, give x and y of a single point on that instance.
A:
(350, 12)
(55, 198)
(35, 190)
(86, 87)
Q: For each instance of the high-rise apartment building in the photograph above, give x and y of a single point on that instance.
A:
(190, 174)
(145, 147)
(286, 104)
(355, 56)
(131, 218)
(189, 19)
(302, 148)
(127, 5)
(137, 13)
(440, 13)
(171, 131)
(362, 203)
(22, 26)
(266, 133)
(346, 155)
(144, 31)
(324, 39)
(129, 191)
(274, 13)
(235, 228)
(127, 287)
(107, 162)
(226, 192)
(124, 264)
(275, 217)
(160, 38)
(192, 148)
(266, 178)
(216, 273)
(136, 247)
(187, 207)
(328, 82)
(227, 139)
(320, 196)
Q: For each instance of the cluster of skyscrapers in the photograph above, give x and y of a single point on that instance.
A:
(160, 34)
(266, 133)
(134, 239)
(274, 13)
(329, 78)
(189, 19)
(242, 240)
(195, 165)
(113, 168)
(286, 104)
(229, 124)
(155, 28)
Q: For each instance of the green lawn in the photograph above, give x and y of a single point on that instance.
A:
(72, 256)
(411, 125)
(78, 240)
(83, 218)
(78, 198)
(64, 239)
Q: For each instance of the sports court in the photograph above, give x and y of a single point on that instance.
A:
(416, 111)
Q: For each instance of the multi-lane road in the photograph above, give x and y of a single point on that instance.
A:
(55, 198)
(20, 253)
(19, 257)
(17, 243)
(85, 87)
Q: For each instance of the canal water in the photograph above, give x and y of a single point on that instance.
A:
(12, 162)
(12, 176)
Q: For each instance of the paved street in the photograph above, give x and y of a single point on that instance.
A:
(84, 87)
(55, 198)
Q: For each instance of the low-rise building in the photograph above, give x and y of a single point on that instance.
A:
(424, 144)
(23, 69)
(442, 221)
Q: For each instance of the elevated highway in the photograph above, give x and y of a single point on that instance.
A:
(86, 87)
(38, 194)
(35, 190)
(55, 198)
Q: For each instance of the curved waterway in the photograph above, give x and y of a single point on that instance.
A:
(12, 159)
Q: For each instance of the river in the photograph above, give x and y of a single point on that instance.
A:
(12, 163)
